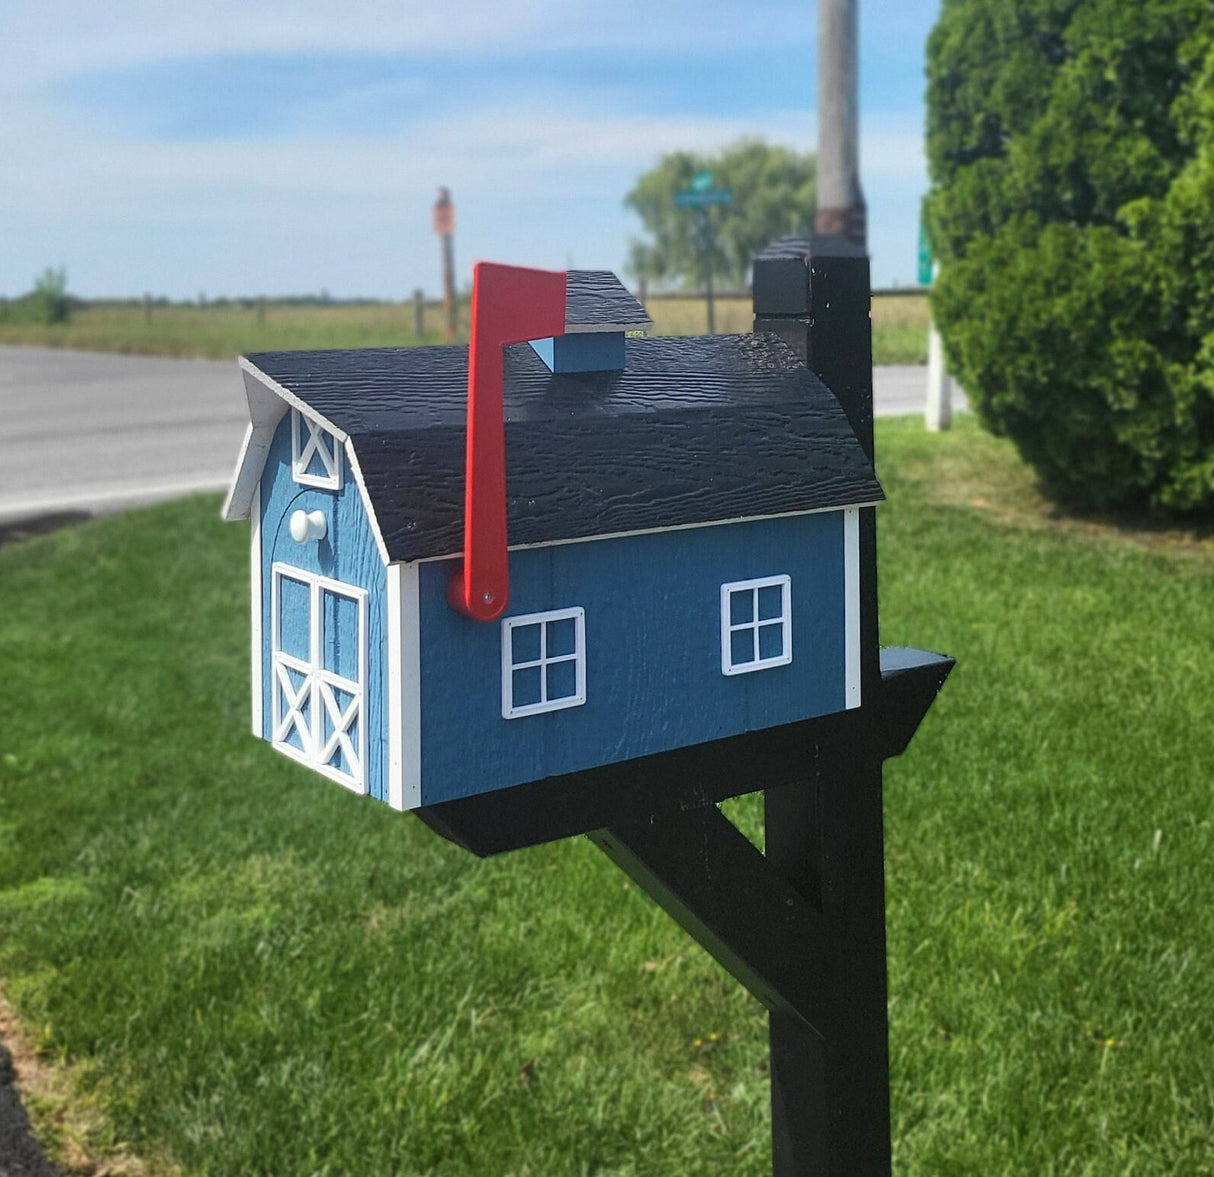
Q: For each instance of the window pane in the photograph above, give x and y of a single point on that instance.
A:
(741, 647)
(771, 602)
(294, 612)
(562, 680)
(526, 687)
(562, 637)
(771, 640)
(524, 644)
(339, 635)
(741, 607)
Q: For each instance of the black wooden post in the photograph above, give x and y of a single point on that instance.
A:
(830, 1098)
(802, 925)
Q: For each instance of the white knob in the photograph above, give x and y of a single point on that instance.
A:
(306, 525)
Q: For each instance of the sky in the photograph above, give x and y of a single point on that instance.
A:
(228, 147)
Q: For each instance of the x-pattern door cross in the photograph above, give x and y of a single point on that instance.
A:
(341, 719)
(294, 701)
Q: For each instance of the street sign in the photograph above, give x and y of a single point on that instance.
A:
(702, 198)
(925, 257)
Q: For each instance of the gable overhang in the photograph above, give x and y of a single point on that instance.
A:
(268, 404)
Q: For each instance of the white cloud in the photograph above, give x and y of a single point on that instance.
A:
(61, 167)
(538, 175)
(48, 40)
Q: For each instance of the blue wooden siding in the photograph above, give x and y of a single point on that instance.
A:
(653, 651)
(348, 554)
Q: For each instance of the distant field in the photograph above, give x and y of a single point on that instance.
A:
(223, 330)
(899, 323)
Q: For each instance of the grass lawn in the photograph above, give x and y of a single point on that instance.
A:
(221, 331)
(243, 969)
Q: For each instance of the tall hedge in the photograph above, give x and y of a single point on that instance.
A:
(1071, 148)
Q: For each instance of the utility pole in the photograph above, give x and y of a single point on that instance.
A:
(841, 209)
(444, 226)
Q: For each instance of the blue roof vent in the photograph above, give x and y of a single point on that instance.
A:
(598, 312)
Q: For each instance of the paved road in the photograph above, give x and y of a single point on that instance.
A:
(899, 391)
(90, 432)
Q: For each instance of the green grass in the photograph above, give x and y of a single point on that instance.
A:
(221, 331)
(251, 971)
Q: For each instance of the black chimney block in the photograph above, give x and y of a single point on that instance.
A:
(814, 293)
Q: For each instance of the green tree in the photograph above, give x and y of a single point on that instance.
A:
(1071, 149)
(773, 195)
(48, 302)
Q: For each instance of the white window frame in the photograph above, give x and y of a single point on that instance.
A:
(319, 442)
(728, 629)
(318, 684)
(578, 657)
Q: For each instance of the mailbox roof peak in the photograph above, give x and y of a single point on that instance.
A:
(693, 431)
(596, 300)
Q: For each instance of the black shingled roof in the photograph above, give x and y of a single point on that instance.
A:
(693, 430)
(596, 300)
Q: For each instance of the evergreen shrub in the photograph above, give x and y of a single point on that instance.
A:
(1071, 148)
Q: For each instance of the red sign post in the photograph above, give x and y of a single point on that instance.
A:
(444, 226)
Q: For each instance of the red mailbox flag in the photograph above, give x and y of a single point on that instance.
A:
(509, 305)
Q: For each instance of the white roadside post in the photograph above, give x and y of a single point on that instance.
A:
(938, 411)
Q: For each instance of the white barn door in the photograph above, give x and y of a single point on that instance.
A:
(319, 656)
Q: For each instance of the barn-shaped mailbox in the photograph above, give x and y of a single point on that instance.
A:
(571, 581)
(683, 546)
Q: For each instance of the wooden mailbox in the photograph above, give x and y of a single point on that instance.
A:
(570, 579)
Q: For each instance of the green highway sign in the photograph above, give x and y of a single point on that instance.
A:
(702, 197)
(925, 257)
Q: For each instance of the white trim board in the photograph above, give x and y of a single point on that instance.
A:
(851, 606)
(403, 666)
(589, 539)
(255, 608)
(291, 399)
(266, 409)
